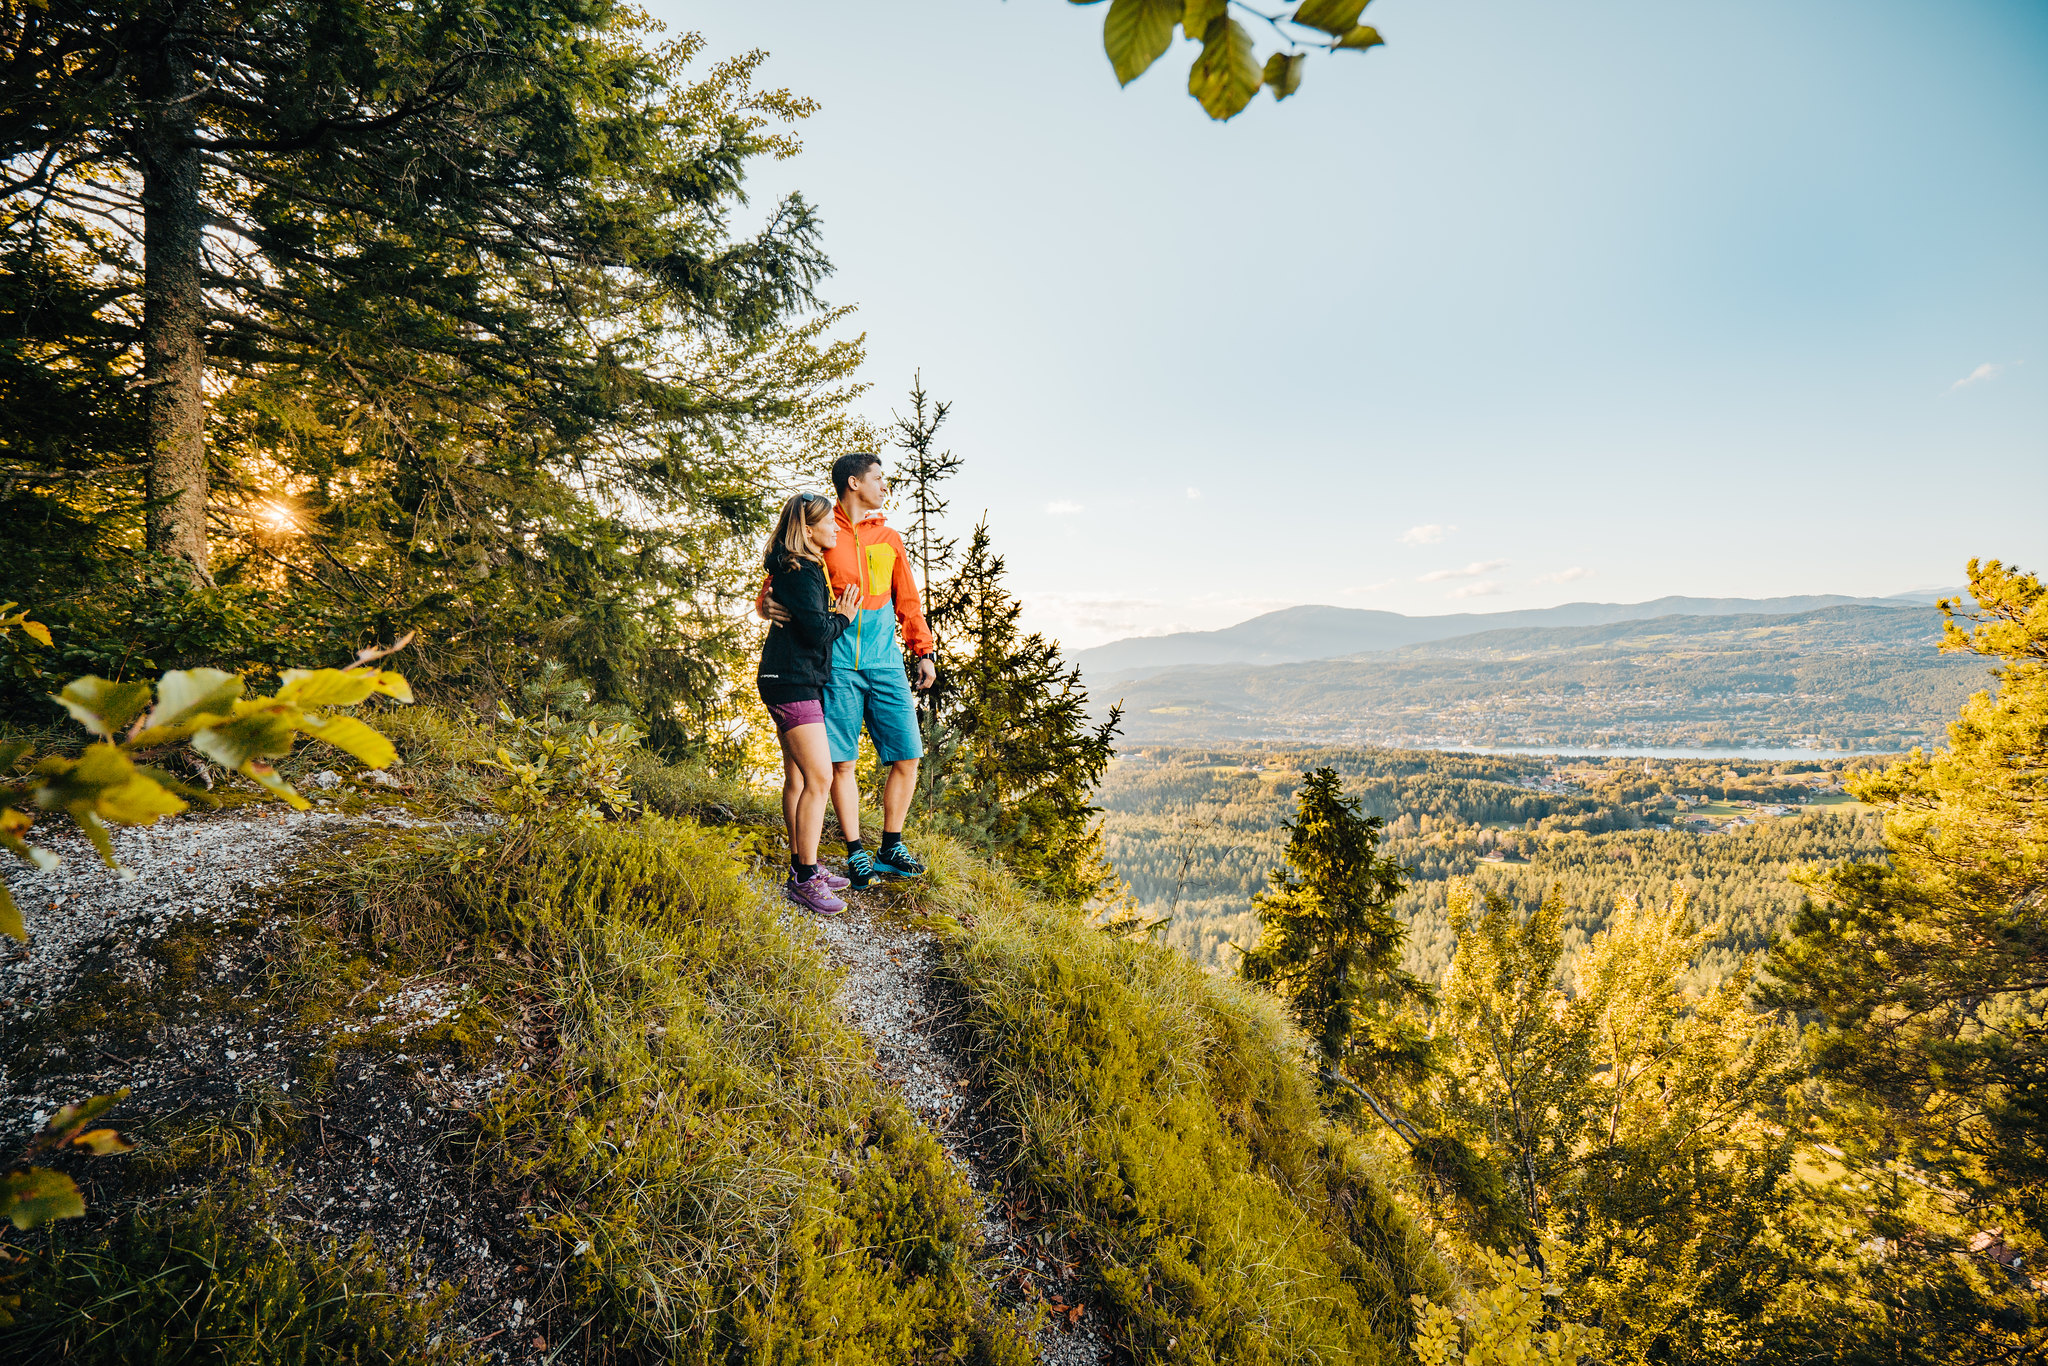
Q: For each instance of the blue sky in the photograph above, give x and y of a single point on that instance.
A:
(1595, 299)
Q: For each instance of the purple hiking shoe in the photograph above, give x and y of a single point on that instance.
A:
(813, 895)
(833, 881)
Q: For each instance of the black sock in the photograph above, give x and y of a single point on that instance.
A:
(892, 839)
(802, 872)
(852, 848)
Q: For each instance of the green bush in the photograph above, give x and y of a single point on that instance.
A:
(1166, 1117)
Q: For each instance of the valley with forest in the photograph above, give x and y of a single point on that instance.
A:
(1194, 833)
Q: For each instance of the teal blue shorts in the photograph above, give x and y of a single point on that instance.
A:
(881, 697)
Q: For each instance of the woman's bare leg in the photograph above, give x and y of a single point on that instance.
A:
(792, 784)
(811, 760)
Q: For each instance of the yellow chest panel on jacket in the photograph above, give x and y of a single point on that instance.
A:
(881, 560)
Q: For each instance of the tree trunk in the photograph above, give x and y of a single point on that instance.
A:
(173, 306)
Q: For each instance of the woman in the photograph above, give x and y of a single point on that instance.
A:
(796, 661)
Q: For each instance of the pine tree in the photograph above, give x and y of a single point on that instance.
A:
(404, 202)
(1928, 972)
(436, 319)
(922, 473)
(1330, 946)
(1016, 759)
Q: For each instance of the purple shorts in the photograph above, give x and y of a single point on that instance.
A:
(789, 715)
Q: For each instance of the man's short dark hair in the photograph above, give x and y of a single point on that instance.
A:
(850, 467)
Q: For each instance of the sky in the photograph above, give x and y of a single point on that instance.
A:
(1592, 300)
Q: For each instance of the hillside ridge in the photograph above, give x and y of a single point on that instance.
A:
(1314, 631)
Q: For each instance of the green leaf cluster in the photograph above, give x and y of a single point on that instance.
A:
(1500, 1325)
(203, 708)
(31, 1196)
(567, 759)
(1227, 73)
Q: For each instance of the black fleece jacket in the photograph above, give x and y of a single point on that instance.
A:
(799, 655)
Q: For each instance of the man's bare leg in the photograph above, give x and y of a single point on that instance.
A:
(897, 790)
(846, 799)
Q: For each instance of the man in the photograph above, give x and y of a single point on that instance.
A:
(867, 667)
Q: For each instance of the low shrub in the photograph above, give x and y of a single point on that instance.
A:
(1165, 1117)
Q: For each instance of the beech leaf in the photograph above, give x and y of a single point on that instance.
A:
(106, 709)
(185, 694)
(1136, 33)
(326, 687)
(347, 733)
(1334, 17)
(34, 1197)
(11, 923)
(1226, 76)
(102, 1142)
(1283, 73)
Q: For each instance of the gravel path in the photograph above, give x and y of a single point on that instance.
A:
(890, 996)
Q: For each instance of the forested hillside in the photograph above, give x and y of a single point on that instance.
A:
(1850, 678)
(1319, 632)
(1194, 833)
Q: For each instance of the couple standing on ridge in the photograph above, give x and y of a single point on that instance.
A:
(838, 583)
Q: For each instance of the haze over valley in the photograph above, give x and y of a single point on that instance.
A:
(1808, 673)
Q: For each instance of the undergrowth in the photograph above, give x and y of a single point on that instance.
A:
(707, 1145)
(1164, 1115)
(219, 1284)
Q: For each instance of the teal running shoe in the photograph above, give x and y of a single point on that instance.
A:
(898, 862)
(860, 866)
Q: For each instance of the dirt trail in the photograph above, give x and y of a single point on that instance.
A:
(890, 996)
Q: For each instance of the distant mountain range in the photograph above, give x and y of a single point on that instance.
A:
(1294, 634)
(1852, 675)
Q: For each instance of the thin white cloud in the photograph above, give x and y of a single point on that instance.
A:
(1470, 571)
(1062, 508)
(1194, 492)
(1429, 534)
(1083, 619)
(1485, 588)
(1571, 575)
(1988, 370)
